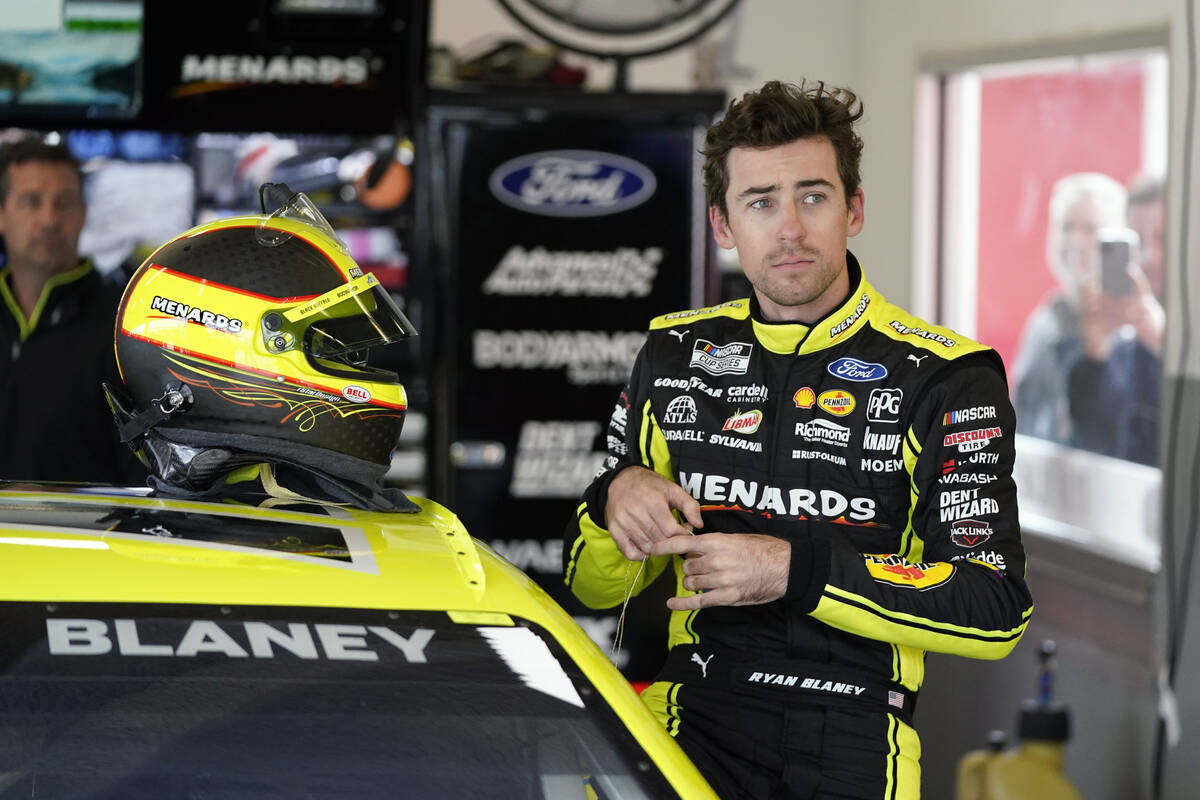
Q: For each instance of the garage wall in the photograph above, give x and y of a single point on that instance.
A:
(784, 39)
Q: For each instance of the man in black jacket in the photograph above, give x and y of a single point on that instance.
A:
(829, 477)
(56, 329)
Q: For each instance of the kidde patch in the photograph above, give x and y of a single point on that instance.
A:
(804, 398)
(747, 422)
(837, 402)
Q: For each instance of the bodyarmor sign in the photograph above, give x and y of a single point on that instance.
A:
(565, 238)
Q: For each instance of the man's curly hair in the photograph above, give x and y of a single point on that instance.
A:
(777, 114)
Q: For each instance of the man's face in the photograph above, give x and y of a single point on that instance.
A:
(1077, 246)
(1147, 219)
(789, 219)
(41, 218)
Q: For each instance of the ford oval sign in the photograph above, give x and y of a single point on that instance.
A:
(572, 183)
(852, 369)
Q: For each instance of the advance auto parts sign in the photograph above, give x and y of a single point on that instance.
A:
(572, 183)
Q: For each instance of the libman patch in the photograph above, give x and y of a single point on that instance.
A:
(743, 422)
(895, 571)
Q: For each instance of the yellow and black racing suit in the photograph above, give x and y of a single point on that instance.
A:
(881, 448)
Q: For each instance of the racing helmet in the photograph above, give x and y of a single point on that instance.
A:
(249, 334)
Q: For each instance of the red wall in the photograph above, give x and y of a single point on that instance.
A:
(1034, 130)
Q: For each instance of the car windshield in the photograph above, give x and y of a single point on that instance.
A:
(147, 701)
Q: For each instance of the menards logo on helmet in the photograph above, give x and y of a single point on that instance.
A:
(200, 316)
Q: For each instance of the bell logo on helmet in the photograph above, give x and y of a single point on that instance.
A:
(356, 394)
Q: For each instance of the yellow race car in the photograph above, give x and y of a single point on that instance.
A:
(159, 648)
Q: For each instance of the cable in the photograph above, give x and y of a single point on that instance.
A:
(629, 587)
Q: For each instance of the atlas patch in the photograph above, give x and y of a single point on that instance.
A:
(680, 411)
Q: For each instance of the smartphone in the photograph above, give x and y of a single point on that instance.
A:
(1118, 249)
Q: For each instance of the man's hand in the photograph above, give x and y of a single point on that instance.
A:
(1100, 316)
(730, 569)
(638, 513)
(1146, 313)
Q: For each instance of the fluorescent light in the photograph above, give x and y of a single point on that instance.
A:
(75, 544)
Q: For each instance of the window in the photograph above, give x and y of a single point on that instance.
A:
(154, 701)
(1042, 236)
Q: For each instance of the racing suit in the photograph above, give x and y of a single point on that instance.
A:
(56, 425)
(881, 448)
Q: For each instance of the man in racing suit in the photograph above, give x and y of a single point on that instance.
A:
(828, 476)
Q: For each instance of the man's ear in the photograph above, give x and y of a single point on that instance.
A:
(720, 226)
(856, 212)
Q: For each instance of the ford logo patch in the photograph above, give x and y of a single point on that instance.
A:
(572, 183)
(852, 369)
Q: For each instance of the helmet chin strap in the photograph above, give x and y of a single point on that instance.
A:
(176, 398)
(195, 463)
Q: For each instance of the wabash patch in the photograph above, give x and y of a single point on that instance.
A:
(970, 532)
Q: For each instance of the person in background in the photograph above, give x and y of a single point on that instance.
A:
(1052, 341)
(1113, 388)
(828, 478)
(56, 328)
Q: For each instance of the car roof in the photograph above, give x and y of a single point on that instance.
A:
(112, 546)
(108, 545)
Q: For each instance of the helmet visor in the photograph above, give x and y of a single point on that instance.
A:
(299, 209)
(352, 317)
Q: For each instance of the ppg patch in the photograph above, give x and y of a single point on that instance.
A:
(721, 359)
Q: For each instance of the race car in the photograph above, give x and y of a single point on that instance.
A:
(154, 647)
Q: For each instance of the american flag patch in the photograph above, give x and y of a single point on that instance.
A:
(895, 699)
